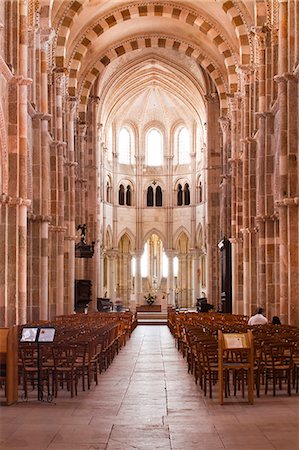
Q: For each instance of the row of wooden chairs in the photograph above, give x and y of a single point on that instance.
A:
(84, 346)
(276, 352)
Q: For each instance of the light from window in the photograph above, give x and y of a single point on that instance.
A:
(184, 146)
(175, 266)
(154, 148)
(144, 261)
(109, 144)
(164, 265)
(124, 146)
(133, 266)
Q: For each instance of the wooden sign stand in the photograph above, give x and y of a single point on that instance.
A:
(235, 343)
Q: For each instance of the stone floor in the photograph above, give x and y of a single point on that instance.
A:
(147, 400)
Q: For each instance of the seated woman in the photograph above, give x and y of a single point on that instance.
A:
(276, 320)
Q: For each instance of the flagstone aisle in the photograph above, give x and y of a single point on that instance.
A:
(147, 400)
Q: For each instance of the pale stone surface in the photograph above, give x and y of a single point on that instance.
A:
(72, 74)
(147, 400)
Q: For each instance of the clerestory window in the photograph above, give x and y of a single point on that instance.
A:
(183, 146)
(154, 148)
(124, 146)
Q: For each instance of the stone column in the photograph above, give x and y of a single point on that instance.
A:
(21, 173)
(60, 144)
(71, 230)
(138, 279)
(236, 241)
(46, 37)
(225, 206)
(213, 200)
(170, 278)
(283, 163)
(195, 277)
(80, 183)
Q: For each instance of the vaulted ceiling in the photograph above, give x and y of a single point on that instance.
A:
(180, 45)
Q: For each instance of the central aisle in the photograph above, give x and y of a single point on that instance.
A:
(146, 400)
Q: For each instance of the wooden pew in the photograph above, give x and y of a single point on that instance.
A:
(9, 362)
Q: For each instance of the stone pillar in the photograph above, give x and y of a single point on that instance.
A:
(46, 37)
(236, 241)
(81, 182)
(59, 79)
(225, 205)
(70, 207)
(170, 278)
(213, 200)
(21, 173)
(138, 279)
(195, 277)
(283, 169)
(113, 274)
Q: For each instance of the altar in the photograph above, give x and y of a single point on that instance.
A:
(148, 308)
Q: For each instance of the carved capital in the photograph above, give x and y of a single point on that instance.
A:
(225, 124)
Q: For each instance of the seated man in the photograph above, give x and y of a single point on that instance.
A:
(258, 318)
(203, 305)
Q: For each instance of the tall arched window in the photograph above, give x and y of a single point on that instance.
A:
(186, 194)
(154, 148)
(180, 195)
(121, 195)
(150, 196)
(124, 146)
(158, 196)
(183, 146)
(128, 196)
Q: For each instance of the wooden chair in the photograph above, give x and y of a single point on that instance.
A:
(65, 368)
(278, 360)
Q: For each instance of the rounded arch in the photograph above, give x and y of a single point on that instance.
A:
(89, 77)
(202, 23)
(182, 181)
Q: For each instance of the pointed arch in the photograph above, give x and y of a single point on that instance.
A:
(157, 232)
(126, 231)
(178, 232)
(108, 238)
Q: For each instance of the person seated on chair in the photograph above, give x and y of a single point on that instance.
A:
(276, 320)
(258, 318)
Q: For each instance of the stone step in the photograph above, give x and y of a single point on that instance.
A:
(152, 321)
(152, 315)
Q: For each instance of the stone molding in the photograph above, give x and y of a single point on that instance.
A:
(71, 164)
(21, 81)
(287, 201)
(266, 217)
(39, 218)
(6, 199)
(70, 237)
(57, 229)
(252, 230)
